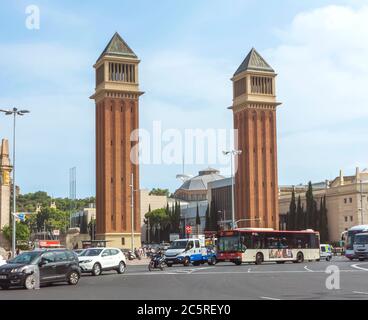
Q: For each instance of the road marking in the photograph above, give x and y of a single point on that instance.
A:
(269, 298)
(357, 266)
(358, 292)
(249, 270)
(231, 272)
(309, 270)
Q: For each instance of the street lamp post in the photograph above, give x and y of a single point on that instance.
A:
(232, 154)
(14, 112)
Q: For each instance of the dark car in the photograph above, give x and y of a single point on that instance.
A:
(55, 265)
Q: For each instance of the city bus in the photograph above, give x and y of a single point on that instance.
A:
(350, 237)
(257, 246)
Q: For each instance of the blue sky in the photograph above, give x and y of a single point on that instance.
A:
(189, 51)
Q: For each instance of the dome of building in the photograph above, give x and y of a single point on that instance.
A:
(195, 189)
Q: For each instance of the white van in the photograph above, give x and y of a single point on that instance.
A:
(326, 251)
(186, 251)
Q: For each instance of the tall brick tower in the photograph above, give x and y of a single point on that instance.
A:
(254, 109)
(5, 189)
(117, 103)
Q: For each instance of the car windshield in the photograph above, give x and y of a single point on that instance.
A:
(179, 244)
(26, 257)
(91, 253)
(361, 239)
(229, 244)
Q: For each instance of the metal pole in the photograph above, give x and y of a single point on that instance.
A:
(232, 195)
(132, 212)
(14, 194)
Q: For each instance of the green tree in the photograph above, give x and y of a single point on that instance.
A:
(213, 217)
(22, 231)
(291, 217)
(310, 209)
(208, 219)
(299, 224)
(323, 221)
(159, 192)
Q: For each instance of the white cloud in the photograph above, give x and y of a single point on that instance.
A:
(323, 80)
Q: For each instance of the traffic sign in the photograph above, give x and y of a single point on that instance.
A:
(56, 232)
(188, 229)
(21, 216)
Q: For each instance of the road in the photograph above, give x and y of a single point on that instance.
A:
(223, 281)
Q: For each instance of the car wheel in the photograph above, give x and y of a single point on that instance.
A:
(96, 270)
(121, 267)
(169, 265)
(259, 258)
(30, 282)
(361, 259)
(186, 261)
(151, 266)
(280, 262)
(196, 263)
(4, 286)
(238, 262)
(73, 278)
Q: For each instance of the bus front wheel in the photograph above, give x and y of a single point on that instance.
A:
(259, 258)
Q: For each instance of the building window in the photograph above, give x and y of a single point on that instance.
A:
(261, 85)
(121, 72)
(351, 200)
(351, 218)
(346, 219)
(345, 200)
(240, 87)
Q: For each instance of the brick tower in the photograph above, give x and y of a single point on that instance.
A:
(117, 103)
(5, 189)
(254, 109)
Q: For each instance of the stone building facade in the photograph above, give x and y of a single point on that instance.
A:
(346, 201)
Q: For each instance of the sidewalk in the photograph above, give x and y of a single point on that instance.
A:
(136, 262)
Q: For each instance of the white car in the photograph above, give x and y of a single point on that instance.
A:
(2, 261)
(96, 260)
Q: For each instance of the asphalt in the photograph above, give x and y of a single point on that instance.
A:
(305, 281)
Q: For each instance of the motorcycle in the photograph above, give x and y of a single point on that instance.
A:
(157, 262)
(131, 255)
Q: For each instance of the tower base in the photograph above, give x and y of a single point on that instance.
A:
(120, 240)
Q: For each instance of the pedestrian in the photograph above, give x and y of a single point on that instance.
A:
(17, 252)
(9, 255)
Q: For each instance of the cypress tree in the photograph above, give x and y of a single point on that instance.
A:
(292, 213)
(299, 224)
(208, 219)
(198, 219)
(309, 214)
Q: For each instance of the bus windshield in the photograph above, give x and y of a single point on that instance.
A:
(229, 244)
(361, 239)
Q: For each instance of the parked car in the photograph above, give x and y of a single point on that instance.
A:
(326, 252)
(2, 260)
(55, 265)
(96, 260)
(78, 251)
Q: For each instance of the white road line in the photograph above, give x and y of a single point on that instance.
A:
(358, 292)
(249, 270)
(309, 270)
(269, 298)
(357, 266)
